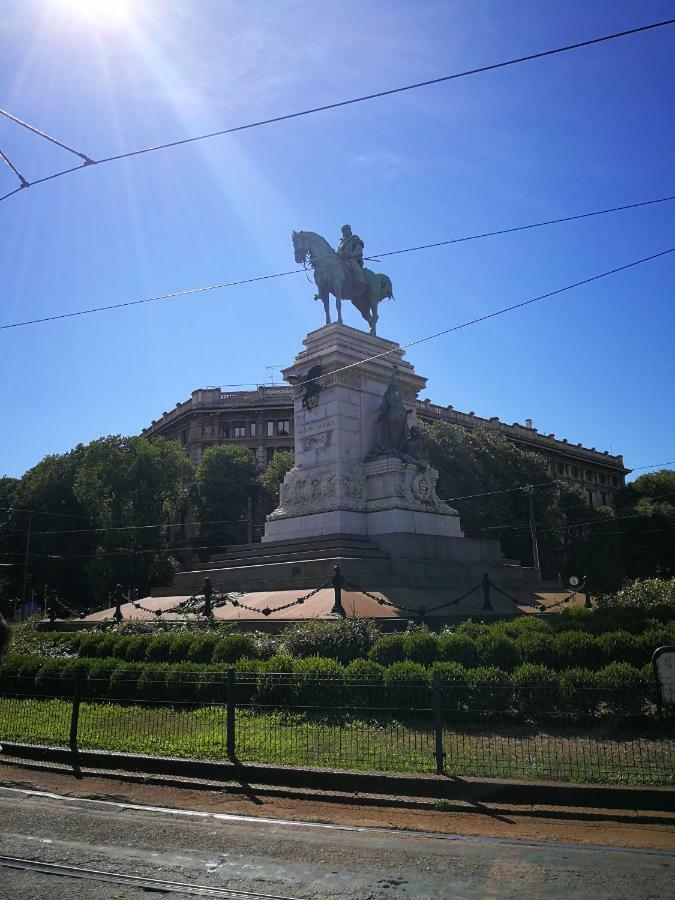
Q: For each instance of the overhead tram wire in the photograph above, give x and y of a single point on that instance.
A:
(542, 54)
(173, 295)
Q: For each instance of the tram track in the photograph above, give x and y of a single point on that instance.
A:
(158, 885)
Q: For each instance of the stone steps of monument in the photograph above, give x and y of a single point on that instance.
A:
(321, 544)
(370, 573)
(292, 556)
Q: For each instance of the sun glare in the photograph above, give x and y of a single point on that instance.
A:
(99, 12)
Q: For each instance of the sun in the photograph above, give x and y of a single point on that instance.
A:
(99, 12)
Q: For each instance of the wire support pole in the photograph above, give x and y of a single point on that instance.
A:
(88, 161)
(533, 532)
(25, 560)
(24, 182)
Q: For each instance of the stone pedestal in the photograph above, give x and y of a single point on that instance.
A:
(339, 380)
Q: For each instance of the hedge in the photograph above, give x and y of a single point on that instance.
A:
(532, 690)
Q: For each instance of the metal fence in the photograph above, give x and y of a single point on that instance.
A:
(409, 726)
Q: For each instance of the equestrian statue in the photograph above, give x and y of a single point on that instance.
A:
(342, 274)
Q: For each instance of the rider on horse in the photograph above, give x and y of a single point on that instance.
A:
(350, 249)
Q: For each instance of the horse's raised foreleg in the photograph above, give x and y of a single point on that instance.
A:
(373, 318)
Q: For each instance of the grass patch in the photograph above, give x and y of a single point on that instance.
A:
(340, 741)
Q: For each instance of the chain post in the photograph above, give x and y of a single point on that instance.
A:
(587, 594)
(337, 581)
(75, 712)
(208, 594)
(438, 722)
(230, 739)
(486, 585)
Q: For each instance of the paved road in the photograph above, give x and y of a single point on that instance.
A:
(299, 860)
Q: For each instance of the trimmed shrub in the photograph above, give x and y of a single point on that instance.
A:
(233, 648)
(623, 689)
(388, 649)
(124, 682)
(366, 670)
(9, 673)
(421, 646)
(108, 644)
(159, 648)
(579, 692)
(536, 689)
(497, 650)
(152, 682)
(572, 619)
(653, 638)
(89, 644)
(201, 649)
(99, 676)
(454, 686)
(489, 690)
(180, 647)
(458, 648)
(408, 685)
(620, 646)
(526, 624)
(344, 640)
(48, 679)
(181, 682)
(576, 649)
(536, 648)
(136, 647)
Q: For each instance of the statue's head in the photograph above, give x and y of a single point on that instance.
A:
(346, 230)
(300, 250)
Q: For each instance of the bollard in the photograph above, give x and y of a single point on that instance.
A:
(208, 593)
(337, 581)
(230, 738)
(487, 605)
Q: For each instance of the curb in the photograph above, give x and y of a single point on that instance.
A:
(435, 787)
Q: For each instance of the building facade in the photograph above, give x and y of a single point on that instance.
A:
(262, 421)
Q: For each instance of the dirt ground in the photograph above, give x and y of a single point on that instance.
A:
(609, 828)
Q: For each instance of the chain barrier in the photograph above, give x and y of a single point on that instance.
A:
(539, 606)
(420, 611)
(577, 590)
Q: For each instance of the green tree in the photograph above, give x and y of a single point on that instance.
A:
(270, 480)
(477, 474)
(134, 489)
(225, 480)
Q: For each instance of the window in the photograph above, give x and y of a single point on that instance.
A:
(253, 429)
(239, 429)
(283, 427)
(270, 429)
(561, 469)
(590, 498)
(604, 499)
(184, 437)
(575, 471)
(615, 481)
(226, 429)
(269, 452)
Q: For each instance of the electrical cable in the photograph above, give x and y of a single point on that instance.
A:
(220, 286)
(88, 161)
(14, 169)
(337, 104)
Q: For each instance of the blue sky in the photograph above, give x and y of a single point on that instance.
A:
(581, 131)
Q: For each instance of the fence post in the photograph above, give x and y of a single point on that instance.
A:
(438, 722)
(75, 712)
(230, 732)
(487, 605)
(337, 581)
